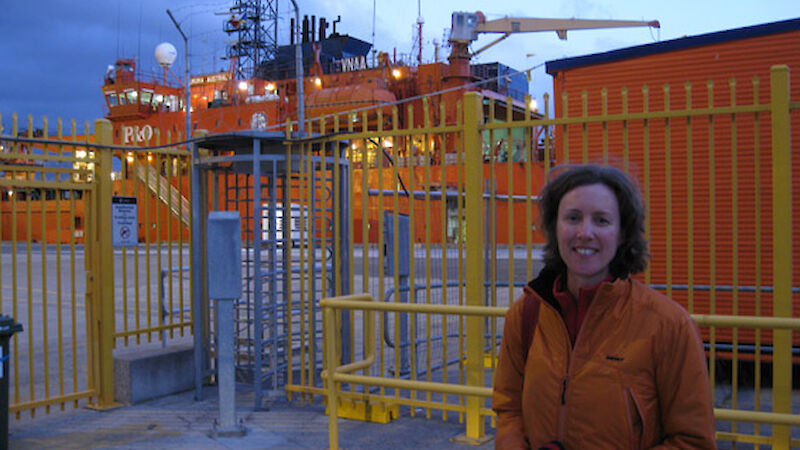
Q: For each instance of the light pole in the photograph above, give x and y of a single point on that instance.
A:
(187, 101)
(200, 358)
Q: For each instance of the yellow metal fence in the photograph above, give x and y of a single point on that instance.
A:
(720, 233)
(342, 374)
(152, 279)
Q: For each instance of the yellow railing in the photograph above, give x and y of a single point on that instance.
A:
(781, 387)
(336, 374)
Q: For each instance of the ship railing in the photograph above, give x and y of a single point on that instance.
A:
(166, 192)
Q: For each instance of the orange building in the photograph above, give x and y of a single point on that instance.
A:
(714, 230)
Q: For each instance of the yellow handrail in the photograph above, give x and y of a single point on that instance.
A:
(338, 374)
(752, 322)
(364, 302)
(353, 302)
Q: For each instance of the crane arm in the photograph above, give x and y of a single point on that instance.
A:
(560, 26)
(466, 26)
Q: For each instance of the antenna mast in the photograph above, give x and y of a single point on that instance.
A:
(420, 21)
(254, 26)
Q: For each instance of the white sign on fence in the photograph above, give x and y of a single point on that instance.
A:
(124, 222)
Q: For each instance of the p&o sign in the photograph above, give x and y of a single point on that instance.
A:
(136, 134)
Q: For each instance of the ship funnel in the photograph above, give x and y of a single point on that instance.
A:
(166, 54)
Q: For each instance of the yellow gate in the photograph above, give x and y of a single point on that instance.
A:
(48, 275)
(75, 294)
(414, 242)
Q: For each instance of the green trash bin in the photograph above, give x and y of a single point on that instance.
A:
(7, 329)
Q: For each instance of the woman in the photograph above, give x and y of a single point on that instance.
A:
(591, 358)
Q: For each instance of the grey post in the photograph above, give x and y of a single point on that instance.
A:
(224, 247)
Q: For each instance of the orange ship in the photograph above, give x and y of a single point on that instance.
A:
(345, 75)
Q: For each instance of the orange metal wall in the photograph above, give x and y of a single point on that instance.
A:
(741, 59)
(57, 215)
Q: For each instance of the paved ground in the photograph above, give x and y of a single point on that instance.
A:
(178, 421)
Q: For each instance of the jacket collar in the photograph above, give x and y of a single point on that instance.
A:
(542, 285)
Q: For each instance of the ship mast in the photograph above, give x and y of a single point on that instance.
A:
(254, 26)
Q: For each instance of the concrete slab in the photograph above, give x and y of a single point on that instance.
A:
(150, 371)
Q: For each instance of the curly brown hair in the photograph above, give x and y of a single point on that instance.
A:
(632, 254)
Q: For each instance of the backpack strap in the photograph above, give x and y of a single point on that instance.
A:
(530, 317)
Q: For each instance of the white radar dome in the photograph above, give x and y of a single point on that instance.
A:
(166, 54)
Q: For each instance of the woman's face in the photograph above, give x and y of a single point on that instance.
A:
(587, 232)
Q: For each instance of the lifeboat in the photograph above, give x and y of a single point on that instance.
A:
(348, 97)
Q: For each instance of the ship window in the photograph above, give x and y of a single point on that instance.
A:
(147, 96)
(126, 66)
(132, 97)
(112, 99)
(171, 103)
(121, 98)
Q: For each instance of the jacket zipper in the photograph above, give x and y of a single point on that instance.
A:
(564, 384)
(562, 410)
(562, 413)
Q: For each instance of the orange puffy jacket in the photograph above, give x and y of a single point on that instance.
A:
(636, 377)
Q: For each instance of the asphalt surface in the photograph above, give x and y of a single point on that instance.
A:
(178, 421)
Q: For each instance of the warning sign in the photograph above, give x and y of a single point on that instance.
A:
(124, 221)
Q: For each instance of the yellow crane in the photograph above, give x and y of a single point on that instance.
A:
(466, 26)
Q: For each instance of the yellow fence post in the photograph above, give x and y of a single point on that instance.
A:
(473, 157)
(781, 248)
(329, 350)
(102, 275)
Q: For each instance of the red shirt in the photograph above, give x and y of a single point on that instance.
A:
(573, 311)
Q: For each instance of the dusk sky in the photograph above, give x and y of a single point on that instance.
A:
(55, 52)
